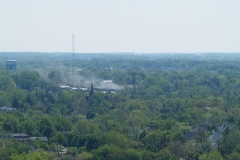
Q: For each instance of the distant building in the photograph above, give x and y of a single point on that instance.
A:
(217, 135)
(190, 135)
(21, 137)
(24, 138)
(11, 64)
(44, 139)
(7, 109)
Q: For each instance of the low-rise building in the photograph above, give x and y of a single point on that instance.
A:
(44, 139)
(24, 138)
(7, 109)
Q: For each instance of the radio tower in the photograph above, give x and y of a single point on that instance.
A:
(73, 47)
(73, 61)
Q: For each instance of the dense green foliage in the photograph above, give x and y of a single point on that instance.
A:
(161, 98)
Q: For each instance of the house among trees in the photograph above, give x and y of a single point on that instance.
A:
(217, 135)
(190, 135)
(44, 139)
(197, 132)
(21, 136)
(7, 109)
(24, 138)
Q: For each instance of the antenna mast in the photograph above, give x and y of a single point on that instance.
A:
(73, 60)
(73, 47)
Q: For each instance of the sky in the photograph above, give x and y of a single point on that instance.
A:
(140, 26)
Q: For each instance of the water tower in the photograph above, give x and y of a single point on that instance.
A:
(11, 64)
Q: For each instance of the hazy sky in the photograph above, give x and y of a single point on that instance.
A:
(120, 25)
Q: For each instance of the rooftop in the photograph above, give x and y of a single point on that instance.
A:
(20, 135)
(45, 139)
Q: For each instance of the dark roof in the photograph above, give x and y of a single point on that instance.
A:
(19, 135)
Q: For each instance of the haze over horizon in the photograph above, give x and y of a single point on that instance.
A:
(120, 26)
